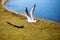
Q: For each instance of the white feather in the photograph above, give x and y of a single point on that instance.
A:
(30, 16)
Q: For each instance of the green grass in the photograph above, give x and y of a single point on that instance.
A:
(41, 30)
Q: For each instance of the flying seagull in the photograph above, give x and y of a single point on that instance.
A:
(30, 16)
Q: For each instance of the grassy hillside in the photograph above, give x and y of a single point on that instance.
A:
(41, 30)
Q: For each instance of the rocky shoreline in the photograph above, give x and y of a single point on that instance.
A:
(3, 2)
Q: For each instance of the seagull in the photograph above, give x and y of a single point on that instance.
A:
(30, 16)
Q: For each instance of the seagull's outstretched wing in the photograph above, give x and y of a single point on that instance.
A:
(26, 12)
(32, 10)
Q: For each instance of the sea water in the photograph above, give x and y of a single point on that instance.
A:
(45, 9)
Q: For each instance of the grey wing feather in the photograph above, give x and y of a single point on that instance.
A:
(32, 10)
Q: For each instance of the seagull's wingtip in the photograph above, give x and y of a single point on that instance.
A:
(34, 5)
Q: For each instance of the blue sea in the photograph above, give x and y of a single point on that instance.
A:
(45, 9)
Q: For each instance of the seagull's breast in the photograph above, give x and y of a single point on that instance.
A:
(28, 18)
